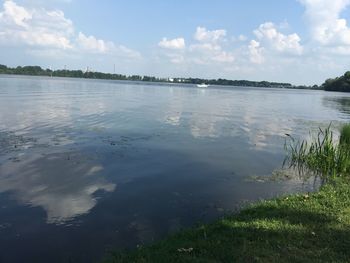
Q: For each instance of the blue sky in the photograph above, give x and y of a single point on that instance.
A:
(297, 41)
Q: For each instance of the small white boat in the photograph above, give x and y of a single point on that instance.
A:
(203, 85)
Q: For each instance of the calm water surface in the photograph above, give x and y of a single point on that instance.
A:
(87, 166)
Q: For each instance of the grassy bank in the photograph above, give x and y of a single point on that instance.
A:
(313, 227)
(299, 228)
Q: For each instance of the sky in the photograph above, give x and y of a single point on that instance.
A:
(295, 41)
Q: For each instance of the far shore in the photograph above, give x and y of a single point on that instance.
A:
(38, 71)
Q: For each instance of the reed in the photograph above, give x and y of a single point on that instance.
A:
(345, 135)
(322, 157)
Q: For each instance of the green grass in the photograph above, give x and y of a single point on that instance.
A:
(299, 228)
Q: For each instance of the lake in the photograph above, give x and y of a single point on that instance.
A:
(87, 166)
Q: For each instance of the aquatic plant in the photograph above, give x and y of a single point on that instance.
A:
(322, 157)
(345, 135)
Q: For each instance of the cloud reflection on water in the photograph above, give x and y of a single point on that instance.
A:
(216, 113)
(260, 117)
(63, 188)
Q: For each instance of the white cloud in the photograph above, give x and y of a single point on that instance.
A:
(255, 52)
(177, 43)
(204, 35)
(38, 28)
(206, 49)
(267, 33)
(15, 14)
(210, 49)
(90, 43)
(326, 26)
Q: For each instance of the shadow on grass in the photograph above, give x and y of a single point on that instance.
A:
(271, 234)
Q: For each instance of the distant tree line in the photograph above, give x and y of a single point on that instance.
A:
(38, 71)
(247, 83)
(338, 84)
